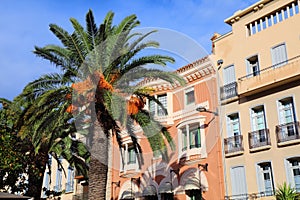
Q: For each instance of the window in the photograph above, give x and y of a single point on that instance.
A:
(287, 120)
(258, 118)
(57, 187)
(194, 194)
(152, 107)
(279, 55)
(46, 185)
(70, 180)
(233, 125)
(234, 139)
(229, 75)
(189, 96)
(190, 136)
(131, 155)
(230, 87)
(184, 139)
(252, 66)
(166, 196)
(259, 129)
(265, 178)
(293, 172)
(273, 18)
(195, 137)
(238, 181)
(163, 100)
(156, 109)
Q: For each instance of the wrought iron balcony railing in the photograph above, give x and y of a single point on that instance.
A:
(272, 67)
(252, 196)
(228, 91)
(233, 144)
(259, 138)
(287, 132)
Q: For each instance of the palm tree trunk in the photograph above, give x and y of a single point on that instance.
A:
(99, 163)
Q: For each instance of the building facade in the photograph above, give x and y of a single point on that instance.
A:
(194, 167)
(259, 67)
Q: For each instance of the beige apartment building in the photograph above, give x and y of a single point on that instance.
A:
(259, 67)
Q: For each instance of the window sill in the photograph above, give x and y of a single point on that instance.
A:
(262, 148)
(191, 156)
(286, 143)
(129, 173)
(232, 154)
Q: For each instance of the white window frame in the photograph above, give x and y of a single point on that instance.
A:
(231, 123)
(124, 158)
(289, 171)
(254, 116)
(249, 66)
(235, 143)
(260, 177)
(156, 107)
(281, 115)
(192, 151)
(185, 96)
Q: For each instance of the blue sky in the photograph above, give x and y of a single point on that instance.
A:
(24, 24)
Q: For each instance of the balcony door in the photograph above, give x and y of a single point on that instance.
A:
(287, 116)
(259, 124)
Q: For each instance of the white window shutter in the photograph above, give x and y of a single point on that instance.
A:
(260, 180)
(289, 173)
(238, 180)
(228, 127)
(229, 75)
(279, 55)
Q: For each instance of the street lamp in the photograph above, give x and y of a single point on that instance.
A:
(203, 109)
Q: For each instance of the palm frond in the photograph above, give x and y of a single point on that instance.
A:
(91, 27)
(81, 34)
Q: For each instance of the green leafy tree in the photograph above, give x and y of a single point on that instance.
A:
(103, 65)
(286, 192)
(18, 164)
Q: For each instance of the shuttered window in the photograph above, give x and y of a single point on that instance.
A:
(279, 55)
(229, 75)
(238, 181)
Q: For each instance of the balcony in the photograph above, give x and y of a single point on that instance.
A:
(234, 145)
(259, 140)
(288, 133)
(270, 77)
(228, 91)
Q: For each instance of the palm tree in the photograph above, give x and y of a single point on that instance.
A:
(45, 127)
(101, 66)
(286, 192)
